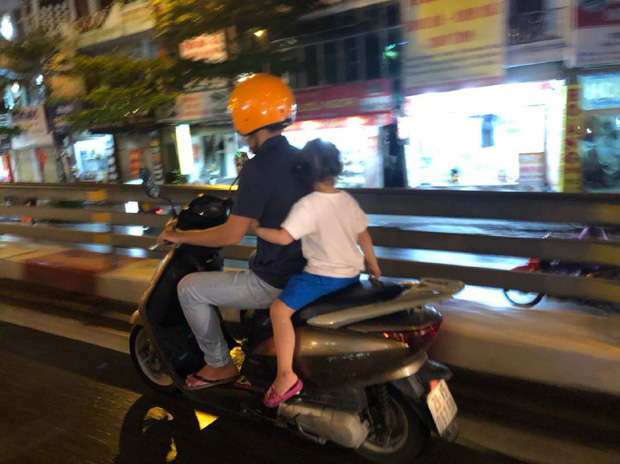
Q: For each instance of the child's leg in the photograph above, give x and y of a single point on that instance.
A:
(284, 337)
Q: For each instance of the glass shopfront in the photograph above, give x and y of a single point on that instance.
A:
(599, 147)
(499, 136)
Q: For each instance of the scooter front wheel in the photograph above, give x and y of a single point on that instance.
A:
(147, 362)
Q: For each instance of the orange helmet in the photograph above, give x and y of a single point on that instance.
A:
(259, 101)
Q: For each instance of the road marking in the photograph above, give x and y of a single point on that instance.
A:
(64, 327)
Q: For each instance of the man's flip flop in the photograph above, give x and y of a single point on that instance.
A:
(206, 383)
(272, 398)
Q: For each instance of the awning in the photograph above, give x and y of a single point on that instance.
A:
(339, 6)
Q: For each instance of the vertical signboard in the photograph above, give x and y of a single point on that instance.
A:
(597, 32)
(135, 163)
(451, 43)
(532, 170)
(570, 165)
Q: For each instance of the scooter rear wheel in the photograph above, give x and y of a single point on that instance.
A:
(406, 439)
(147, 362)
(523, 299)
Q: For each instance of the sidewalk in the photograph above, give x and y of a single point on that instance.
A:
(560, 343)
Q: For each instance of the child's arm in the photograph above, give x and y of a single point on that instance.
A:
(277, 236)
(365, 243)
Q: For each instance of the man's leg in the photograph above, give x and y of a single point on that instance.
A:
(199, 292)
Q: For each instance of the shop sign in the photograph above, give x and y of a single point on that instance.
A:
(201, 106)
(207, 47)
(600, 91)
(60, 111)
(450, 43)
(596, 34)
(344, 100)
(32, 121)
(532, 170)
(570, 164)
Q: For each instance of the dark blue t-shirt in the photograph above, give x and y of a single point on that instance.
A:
(267, 191)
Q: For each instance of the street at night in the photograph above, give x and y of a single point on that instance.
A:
(69, 401)
(318, 231)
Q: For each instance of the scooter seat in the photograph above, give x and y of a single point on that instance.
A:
(360, 294)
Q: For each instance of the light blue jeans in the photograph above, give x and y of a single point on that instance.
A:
(201, 291)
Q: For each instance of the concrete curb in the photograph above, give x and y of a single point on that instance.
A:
(560, 348)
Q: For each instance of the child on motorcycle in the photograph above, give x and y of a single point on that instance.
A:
(332, 228)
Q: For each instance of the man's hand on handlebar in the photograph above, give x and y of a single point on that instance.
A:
(170, 235)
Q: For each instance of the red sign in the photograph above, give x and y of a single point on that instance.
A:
(342, 123)
(135, 163)
(340, 101)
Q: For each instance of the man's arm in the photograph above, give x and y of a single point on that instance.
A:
(277, 236)
(229, 233)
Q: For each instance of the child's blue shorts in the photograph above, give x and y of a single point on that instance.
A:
(304, 288)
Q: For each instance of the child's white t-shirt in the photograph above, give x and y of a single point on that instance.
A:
(328, 225)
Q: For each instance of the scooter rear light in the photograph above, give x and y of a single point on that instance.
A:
(418, 338)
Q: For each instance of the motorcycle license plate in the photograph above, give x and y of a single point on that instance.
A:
(441, 405)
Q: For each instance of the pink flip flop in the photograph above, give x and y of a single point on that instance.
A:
(272, 398)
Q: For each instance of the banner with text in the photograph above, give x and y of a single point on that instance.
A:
(449, 44)
(339, 101)
(597, 32)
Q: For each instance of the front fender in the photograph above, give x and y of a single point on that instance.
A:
(136, 318)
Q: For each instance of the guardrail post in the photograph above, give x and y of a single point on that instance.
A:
(104, 219)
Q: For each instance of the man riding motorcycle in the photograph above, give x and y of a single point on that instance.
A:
(261, 107)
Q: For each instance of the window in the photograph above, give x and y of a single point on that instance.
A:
(392, 15)
(310, 63)
(331, 63)
(351, 60)
(373, 56)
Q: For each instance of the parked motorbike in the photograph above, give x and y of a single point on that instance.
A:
(361, 353)
(530, 299)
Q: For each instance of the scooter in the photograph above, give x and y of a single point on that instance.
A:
(531, 299)
(361, 353)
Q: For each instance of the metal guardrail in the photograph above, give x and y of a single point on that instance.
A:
(101, 205)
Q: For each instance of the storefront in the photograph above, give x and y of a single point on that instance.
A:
(33, 154)
(599, 147)
(202, 139)
(6, 170)
(352, 118)
(92, 158)
(506, 135)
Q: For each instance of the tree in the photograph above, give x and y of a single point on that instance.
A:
(121, 91)
(27, 58)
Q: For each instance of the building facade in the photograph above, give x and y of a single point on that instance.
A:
(364, 81)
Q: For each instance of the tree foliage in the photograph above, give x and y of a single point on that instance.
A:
(121, 90)
(178, 20)
(30, 55)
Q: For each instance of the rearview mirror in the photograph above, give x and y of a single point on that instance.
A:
(150, 187)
